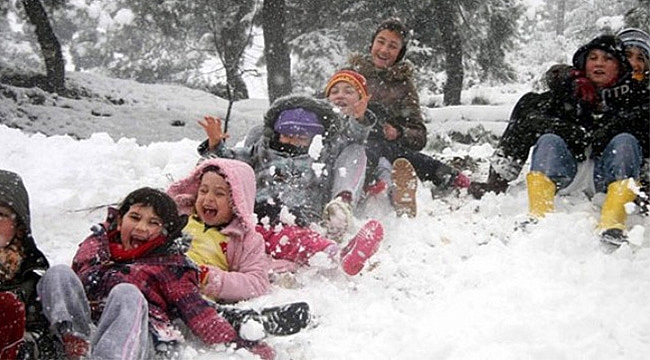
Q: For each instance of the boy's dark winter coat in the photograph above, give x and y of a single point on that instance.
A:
(623, 107)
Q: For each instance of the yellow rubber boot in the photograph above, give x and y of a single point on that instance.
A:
(613, 214)
(541, 194)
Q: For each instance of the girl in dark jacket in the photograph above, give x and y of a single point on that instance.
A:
(23, 329)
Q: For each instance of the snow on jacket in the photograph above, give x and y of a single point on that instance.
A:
(301, 182)
(393, 88)
(166, 278)
(33, 264)
(587, 128)
(247, 260)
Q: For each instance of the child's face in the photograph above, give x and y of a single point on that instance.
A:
(385, 48)
(139, 225)
(7, 226)
(344, 95)
(296, 140)
(637, 59)
(601, 67)
(213, 203)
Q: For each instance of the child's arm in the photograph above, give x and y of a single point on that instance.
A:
(248, 276)
(202, 318)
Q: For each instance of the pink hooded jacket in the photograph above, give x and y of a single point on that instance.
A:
(248, 263)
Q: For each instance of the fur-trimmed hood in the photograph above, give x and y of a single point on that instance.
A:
(238, 175)
(399, 71)
(322, 108)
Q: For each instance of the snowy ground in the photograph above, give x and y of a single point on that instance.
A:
(456, 282)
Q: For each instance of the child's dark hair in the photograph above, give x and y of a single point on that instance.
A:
(162, 204)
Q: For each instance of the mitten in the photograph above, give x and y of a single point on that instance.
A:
(462, 181)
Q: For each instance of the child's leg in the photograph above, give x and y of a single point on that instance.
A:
(293, 243)
(12, 325)
(125, 321)
(349, 172)
(64, 300)
(66, 307)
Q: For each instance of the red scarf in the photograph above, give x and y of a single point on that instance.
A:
(118, 253)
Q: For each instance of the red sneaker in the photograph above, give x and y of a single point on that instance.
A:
(362, 246)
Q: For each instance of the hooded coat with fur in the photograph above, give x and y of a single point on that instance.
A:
(300, 182)
(247, 260)
(394, 90)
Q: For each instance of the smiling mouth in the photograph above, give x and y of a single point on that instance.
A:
(137, 241)
(210, 212)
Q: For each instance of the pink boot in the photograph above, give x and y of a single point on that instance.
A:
(362, 246)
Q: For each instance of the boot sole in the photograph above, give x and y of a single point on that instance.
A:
(405, 183)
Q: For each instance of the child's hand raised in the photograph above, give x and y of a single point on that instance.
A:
(359, 108)
(212, 127)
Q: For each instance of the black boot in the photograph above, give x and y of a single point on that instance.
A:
(286, 319)
(278, 320)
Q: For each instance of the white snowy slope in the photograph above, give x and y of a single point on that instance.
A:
(459, 281)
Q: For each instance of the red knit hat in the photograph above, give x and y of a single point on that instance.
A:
(351, 77)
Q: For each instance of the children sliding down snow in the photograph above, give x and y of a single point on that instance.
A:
(132, 278)
(296, 179)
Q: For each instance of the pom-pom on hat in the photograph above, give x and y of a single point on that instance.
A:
(395, 25)
(351, 77)
(636, 37)
(298, 121)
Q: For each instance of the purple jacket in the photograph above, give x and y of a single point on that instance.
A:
(249, 265)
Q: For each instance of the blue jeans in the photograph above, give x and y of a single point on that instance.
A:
(622, 159)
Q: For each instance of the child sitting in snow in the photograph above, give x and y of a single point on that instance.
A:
(23, 328)
(133, 280)
(298, 161)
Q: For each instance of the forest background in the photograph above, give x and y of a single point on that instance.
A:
(216, 46)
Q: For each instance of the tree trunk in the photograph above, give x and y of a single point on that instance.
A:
(276, 51)
(50, 46)
(559, 21)
(445, 15)
(235, 39)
